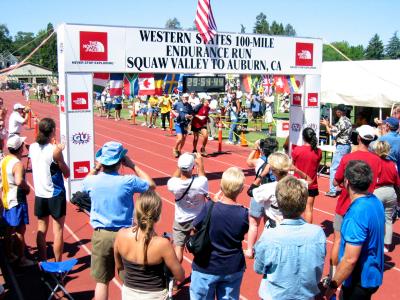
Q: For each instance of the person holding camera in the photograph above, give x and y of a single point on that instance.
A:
(112, 207)
(256, 212)
(342, 134)
(190, 194)
(142, 255)
(17, 119)
(183, 112)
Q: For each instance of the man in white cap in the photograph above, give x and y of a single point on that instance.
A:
(366, 134)
(14, 191)
(17, 118)
(183, 113)
(190, 193)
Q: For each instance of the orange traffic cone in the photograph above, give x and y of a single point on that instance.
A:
(243, 141)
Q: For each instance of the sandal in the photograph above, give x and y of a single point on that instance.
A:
(203, 152)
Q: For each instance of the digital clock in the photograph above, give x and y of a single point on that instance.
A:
(203, 84)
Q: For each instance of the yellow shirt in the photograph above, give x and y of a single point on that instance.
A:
(153, 102)
(165, 104)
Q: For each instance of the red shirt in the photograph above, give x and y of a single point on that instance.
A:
(203, 111)
(375, 163)
(307, 160)
(389, 175)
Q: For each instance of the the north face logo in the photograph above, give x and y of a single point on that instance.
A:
(79, 100)
(93, 46)
(304, 54)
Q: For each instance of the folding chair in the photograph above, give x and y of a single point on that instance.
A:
(57, 271)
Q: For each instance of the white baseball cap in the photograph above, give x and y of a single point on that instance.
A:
(186, 162)
(18, 106)
(366, 132)
(15, 141)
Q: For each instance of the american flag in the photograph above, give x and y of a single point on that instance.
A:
(205, 22)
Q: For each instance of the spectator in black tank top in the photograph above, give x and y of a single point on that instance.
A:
(141, 255)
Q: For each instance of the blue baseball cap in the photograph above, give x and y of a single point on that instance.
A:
(110, 153)
(392, 122)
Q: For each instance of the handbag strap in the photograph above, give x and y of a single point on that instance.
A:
(187, 190)
(208, 217)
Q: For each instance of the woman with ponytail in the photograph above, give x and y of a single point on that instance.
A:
(307, 158)
(141, 256)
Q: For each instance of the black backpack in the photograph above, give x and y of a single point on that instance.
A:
(82, 200)
(199, 244)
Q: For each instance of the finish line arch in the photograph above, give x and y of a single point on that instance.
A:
(85, 49)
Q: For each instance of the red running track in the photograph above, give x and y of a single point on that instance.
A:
(151, 149)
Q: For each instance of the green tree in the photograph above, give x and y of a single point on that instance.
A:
(289, 30)
(352, 52)
(393, 47)
(47, 55)
(173, 24)
(277, 29)
(375, 49)
(261, 26)
(5, 39)
(23, 43)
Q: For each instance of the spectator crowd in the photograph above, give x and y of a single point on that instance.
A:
(289, 253)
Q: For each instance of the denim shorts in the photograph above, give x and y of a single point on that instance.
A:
(256, 210)
(208, 286)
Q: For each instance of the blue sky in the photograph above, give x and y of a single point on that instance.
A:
(353, 20)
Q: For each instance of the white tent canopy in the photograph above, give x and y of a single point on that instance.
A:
(368, 83)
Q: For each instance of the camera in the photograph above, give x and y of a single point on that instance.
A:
(262, 144)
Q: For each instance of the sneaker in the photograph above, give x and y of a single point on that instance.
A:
(194, 151)
(143, 124)
(203, 152)
(175, 153)
(210, 138)
(26, 263)
(153, 126)
(230, 143)
(331, 194)
(149, 126)
(163, 129)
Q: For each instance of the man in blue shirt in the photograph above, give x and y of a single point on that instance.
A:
(392, 137)
(360, 270)
(183, 112)
(291, 256)
(112, 208)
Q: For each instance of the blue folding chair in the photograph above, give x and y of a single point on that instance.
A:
(58, 271)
